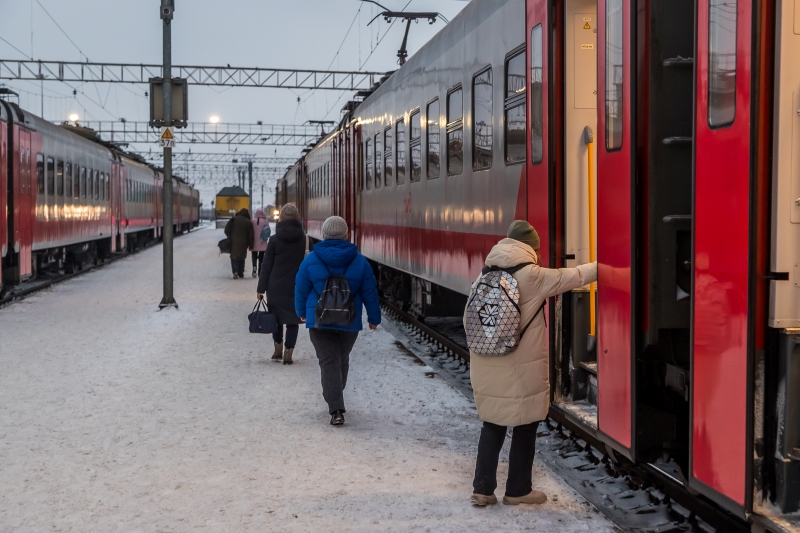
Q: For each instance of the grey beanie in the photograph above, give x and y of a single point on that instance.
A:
(334, 228)
(288, 212)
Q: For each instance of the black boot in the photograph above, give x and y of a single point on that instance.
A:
(337, 418)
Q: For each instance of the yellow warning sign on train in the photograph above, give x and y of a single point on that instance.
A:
(586, 26)
(167, 137)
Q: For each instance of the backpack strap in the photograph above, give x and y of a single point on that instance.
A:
(510, 270)
(521, 333)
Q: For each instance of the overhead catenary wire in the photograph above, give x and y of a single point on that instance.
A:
(62, 30)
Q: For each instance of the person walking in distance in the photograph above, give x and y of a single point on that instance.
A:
(335, 262)
(284, 253)
(261, 233)
(513, 389)
(239, 230)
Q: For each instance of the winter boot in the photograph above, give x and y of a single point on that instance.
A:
(535, 497)
(254, 272)
(482, 500)
(337, 418)
(287, 356)
(278, 355)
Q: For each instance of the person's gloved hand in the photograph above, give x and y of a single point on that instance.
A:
(260, 296)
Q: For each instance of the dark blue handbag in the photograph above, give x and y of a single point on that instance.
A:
(261, 320)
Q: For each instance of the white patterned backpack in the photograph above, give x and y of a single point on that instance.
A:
(493, 316)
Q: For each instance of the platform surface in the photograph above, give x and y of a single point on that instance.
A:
(117, 417)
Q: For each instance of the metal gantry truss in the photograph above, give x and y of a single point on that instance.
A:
(206, 133)
(232, 158)
(15, 69)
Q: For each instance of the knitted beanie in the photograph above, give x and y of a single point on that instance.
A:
(288, 212)
(523, 232)
(334, 228)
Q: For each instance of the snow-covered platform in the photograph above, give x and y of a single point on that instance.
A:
(116, 417)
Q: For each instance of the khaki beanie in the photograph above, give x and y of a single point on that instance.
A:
(523, 232)
(289, 212)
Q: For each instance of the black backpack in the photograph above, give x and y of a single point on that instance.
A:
(335, 306)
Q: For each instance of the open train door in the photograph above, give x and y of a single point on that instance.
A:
(722, 329)
(616, 231)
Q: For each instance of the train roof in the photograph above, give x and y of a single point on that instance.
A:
(232, 191)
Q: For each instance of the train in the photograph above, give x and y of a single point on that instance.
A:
(69, 199)
(658, 138)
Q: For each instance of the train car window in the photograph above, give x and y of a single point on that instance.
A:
(515, 108)
(388, 156)
(400, 151)
(60, 178)
(433, 118)
(537, 96)
(51, 177)
(83, 181)
(416, 147)
(482, 120)
(77, 182)
(102, 186)
(455, 132)
(722, 62)
(39, 174)
(26, 166)
(96, 184)
(106, 189)
(67, 180)
(378, 161)
(368, 164)
(614, 74)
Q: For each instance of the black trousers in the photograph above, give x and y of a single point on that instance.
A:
(333, 351)
(291, 335)
(237, 266)
(258, 258)
(520, 460)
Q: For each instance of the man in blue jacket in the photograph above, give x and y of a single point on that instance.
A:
(335, 256)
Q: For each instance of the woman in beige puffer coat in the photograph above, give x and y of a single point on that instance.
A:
(514, 390)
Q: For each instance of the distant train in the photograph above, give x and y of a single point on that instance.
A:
(689, 112)
(68, 199)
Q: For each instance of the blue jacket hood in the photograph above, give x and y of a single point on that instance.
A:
(335, 252)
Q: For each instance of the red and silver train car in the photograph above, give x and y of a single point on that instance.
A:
(67, 198)
(658, 137)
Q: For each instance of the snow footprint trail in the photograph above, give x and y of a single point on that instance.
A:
(115, 417)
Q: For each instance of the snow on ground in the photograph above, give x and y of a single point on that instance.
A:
(116, 417)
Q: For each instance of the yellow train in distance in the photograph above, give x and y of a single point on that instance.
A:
(229, 201)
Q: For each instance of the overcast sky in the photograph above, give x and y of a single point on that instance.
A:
(302, 34)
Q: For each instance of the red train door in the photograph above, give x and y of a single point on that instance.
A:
(117, 179)
(4, 155)
(536, 172)
(24, 202)
(615, 228)
(721, 429)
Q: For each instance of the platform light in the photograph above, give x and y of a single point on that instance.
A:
(214, 119)
(73, 117)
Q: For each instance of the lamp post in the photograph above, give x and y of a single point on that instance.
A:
(167, 10)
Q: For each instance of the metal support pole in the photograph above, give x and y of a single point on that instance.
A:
(262, 196)
(250, 179)
(167, 9)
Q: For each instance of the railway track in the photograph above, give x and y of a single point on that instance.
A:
(640, 498)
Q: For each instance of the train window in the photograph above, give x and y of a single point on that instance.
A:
(368, 165)
(482, 120)
(433, 139)
(60, 178)
(102, 186)
(106, 194)
(614, 74)
(515, 108)
(83, 181)
(416, 148)
(51, 177)
(39, 174)
(400, 151)
(455, 132)
(388, 156)
(96, 184)
(68, 180)
(76, 192)
(722, 62)
(537, 96)
(378, 160)
(25, 165)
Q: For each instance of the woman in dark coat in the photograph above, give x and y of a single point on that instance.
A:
(239, 230)
(285, 251)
